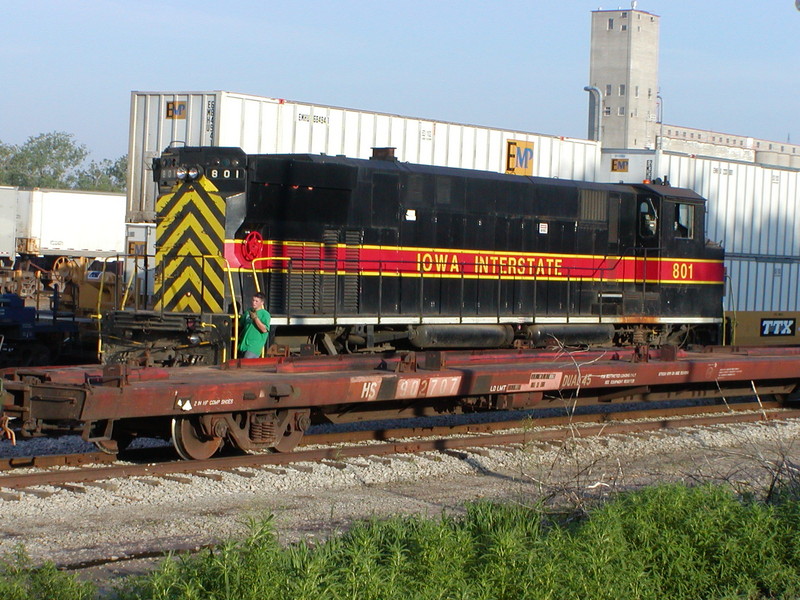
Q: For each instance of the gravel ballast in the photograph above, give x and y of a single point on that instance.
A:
(134, 516)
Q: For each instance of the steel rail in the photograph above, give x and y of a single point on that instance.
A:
(530, 434)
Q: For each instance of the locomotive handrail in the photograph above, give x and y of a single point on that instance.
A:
(128, 286)
(604, 264)
(134, 276)
(735, 319)
(227, 267)
(141, 297)
(253, 262)
(98, 316)
(568, 277)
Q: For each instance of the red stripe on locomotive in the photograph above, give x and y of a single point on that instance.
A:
(471, 264)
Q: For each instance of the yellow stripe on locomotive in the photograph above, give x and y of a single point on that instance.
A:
(190, 238)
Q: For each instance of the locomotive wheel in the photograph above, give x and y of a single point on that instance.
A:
(189, 441)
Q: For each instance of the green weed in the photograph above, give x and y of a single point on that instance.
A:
(668, 541)
(20, 580)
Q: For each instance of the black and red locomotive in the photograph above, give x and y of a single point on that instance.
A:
(364, 255)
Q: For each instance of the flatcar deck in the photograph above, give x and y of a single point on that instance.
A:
(270, 402)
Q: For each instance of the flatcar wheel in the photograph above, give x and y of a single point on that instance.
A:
(294, 424)
(288, 441)
(189, 441)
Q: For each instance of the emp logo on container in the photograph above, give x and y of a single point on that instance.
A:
(777, 327)
(519, 158)
(176, 110)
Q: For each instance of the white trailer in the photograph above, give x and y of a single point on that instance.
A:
(41, 222)
(753, 211)
(261, 125)
(8, 224)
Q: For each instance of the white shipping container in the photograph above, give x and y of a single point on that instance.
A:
(753, 211)
(78, 223)
(762, 284)
(261, 125)
(61, 222)
(8, 223)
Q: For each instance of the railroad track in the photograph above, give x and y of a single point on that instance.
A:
(335, 449)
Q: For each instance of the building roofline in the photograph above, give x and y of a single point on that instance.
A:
(620, 9)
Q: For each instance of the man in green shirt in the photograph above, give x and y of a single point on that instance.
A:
(256, 328)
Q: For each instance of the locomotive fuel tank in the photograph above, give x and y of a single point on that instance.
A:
(462, 336)
(570, 335)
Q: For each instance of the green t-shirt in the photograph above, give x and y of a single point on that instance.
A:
(252, 339)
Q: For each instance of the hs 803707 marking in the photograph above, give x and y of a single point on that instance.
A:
(367, 388)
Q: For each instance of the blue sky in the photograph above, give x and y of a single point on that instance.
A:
(70, 65)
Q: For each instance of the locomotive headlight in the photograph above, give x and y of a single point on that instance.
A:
(193, 172)
(180, 173)
(194, 339)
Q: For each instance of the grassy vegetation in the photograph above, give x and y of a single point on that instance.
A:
(662, 542)
(20, 580)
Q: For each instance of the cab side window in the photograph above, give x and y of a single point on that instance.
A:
(648, 218)
(684, 221)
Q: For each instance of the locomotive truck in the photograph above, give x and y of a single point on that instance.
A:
(367, 255)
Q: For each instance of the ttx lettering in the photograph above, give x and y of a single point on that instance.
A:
(772, 327)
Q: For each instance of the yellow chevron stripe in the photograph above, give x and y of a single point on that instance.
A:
(172, 243)
(174, 220)
(213, 279)
(211, 269)
(191, 299)
(165, 199)
(188, 229)
(189, 285)
(208, 185)
(185, 304)
(194, 199)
